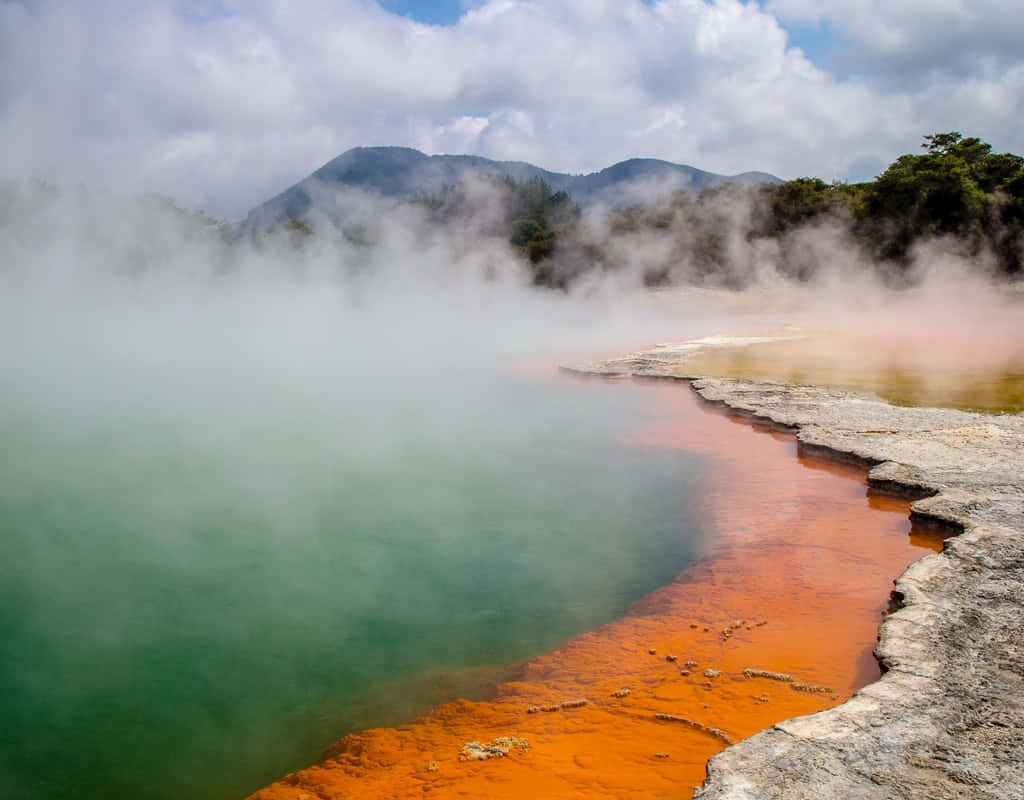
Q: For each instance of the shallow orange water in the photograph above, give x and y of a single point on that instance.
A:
(798, 551)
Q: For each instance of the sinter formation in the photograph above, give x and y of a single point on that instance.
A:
(946, 720)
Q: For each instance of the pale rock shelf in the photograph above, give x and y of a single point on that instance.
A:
(946, 719)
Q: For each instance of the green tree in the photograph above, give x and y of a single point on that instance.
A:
(933, 194)
(796, 202)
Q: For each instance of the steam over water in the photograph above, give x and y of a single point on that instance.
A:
(237, 525)
(256, 496)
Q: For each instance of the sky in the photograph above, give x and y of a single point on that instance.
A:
(222, 104)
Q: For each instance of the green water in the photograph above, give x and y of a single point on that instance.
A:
(200, 590)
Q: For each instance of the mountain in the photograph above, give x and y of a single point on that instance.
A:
(402, 171)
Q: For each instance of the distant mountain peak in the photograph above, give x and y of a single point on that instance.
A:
(393, 171)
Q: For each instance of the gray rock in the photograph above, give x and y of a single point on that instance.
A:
(496, 748)
(946, 719)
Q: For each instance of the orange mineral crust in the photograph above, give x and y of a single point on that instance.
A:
(776, 619)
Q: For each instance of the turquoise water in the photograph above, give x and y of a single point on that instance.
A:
(201, 588)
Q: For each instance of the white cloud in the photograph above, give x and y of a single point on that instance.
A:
(904, 40)
(224, 106)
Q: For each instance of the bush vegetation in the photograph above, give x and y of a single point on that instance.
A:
(957, 193)
(957, 190)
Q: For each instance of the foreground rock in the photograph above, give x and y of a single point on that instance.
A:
(946, 720)
(496, 748)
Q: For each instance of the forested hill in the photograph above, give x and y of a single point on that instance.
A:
(957, 195)
(404, 172)
(958, 205)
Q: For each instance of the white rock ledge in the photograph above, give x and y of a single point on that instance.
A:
(946, 720)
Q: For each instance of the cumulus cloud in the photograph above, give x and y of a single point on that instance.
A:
(907, 40)
(224, 104)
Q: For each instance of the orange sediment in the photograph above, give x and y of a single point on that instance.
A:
(776, 619)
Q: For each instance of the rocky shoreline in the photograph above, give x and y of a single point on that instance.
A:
(946, 719)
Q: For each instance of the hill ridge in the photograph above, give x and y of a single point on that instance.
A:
(396, 171)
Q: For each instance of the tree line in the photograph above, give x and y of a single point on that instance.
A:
(958, 191)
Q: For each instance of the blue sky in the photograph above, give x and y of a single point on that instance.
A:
(440, 12)
(816, 40)
(222, 103)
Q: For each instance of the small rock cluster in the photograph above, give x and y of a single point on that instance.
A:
(560, 706)
(718, 733)
(496, 748)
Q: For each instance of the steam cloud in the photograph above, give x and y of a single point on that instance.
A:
(120, 279)
(131, 317)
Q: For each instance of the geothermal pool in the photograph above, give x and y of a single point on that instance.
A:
(777, 618)
(208, 573)
(235, 530)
